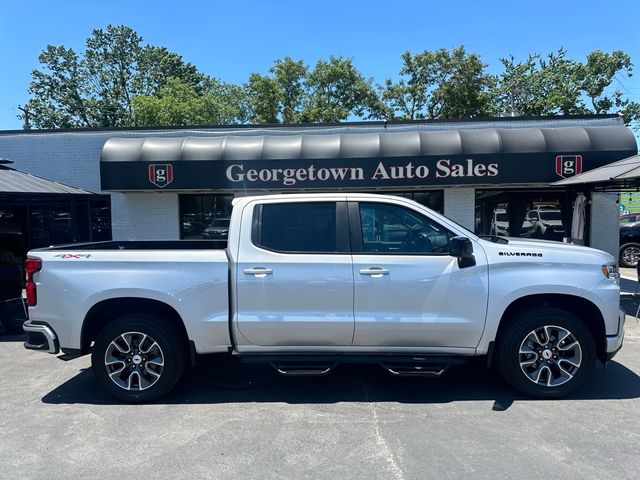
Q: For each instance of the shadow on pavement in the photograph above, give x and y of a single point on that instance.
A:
(227, 381)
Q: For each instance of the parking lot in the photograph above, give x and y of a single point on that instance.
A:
(234, 421)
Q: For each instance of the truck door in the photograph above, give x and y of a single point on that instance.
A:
(409, 292)
(294, 276)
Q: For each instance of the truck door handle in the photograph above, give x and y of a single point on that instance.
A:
(258, 272)
(375, 272)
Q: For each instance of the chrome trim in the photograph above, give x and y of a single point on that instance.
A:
(48, 333)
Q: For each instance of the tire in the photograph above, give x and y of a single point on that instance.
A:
(629, 255)
(139, 357)
(550, 369)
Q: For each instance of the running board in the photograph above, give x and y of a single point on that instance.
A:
(299, 364)
(417, 366)
(303, 369)
(415, 370)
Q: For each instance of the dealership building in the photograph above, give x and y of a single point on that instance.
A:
(493, 176)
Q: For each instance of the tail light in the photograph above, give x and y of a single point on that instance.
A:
(31, 266)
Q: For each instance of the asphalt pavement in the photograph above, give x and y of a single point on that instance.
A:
(227, 420)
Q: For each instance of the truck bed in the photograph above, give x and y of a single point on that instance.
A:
(140, 245)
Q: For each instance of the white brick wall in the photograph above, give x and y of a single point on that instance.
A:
(604, 223)
(459, 205)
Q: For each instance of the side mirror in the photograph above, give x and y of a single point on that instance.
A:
(462, 249)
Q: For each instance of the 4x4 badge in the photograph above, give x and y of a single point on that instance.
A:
(161, 175)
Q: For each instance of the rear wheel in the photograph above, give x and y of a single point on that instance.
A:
(546, 352)
(139, 357)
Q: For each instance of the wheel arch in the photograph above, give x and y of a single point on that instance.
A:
(106, 311)
(585, 310)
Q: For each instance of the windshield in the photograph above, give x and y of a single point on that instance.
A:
(550, 215)
(502, 217)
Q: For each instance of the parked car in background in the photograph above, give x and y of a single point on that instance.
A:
(546, 222)
(629, 244)
(217, 230)
(500, 224)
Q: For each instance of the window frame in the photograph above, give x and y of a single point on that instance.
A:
(342, 228)
(357, 241)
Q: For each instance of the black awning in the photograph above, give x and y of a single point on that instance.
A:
(354, 160)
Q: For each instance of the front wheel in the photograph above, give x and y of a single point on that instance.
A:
(139, 357)
(629, 255)
(546, 352)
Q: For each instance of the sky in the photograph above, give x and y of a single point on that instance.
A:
(231, 39)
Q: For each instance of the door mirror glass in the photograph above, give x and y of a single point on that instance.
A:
(462, 249)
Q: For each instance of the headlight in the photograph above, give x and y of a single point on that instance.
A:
(610, 270)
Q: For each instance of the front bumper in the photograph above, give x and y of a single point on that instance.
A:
(614, 342)
(40, 336)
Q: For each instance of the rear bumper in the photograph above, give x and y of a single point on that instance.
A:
(40, 336)
(614, 342)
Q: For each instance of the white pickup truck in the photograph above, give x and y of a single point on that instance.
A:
(309, 281)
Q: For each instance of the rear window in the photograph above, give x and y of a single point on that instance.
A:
(296, 227)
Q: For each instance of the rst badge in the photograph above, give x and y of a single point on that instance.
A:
(568, 165)
(161, 175)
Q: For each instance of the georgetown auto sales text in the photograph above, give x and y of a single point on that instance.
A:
(443, 168)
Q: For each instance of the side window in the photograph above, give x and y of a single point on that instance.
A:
(393, 229)
(296, 227)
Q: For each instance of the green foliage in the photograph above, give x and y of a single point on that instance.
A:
(279, 97)
(96, 88)
(334, 90)
(438, 84)
(558, 85)
(119, 81)
(178, 103)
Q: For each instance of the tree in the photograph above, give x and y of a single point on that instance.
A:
(438, 84)
(337, 90)
(598, 74)
(279, 97)
(178, 103)
(334, 90)
(96, 88)
(558, 85)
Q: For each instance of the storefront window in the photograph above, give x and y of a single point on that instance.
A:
(205, 216)
(34, 221)
(528, 214)
(433, 199)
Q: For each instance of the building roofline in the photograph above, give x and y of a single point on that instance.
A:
(311, 125)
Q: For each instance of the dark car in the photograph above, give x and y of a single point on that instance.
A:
(629, 244)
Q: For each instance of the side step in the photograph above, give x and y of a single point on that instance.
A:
(291, 369)
(316, 365)
(416, 369)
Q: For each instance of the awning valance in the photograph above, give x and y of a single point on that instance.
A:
(353, 160)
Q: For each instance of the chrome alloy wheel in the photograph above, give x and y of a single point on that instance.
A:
(134, 361)
(631, 255)
(550, 356)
